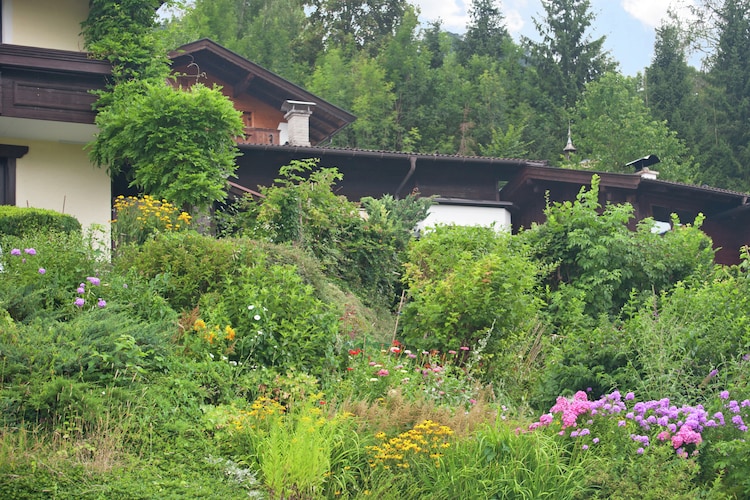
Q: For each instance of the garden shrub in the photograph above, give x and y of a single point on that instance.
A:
(467, 285)
(596, 358)
(267, 316)
(363, 254)
(20, 221)
(184, 266)
(676, 339)
(592, 249)
(41, 272)
(102, 346)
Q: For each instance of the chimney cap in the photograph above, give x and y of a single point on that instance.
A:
(290, 105)
(643, 163)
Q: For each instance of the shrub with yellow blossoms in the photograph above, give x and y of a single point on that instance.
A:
(426, 439)
(214, 339)
(139, 218)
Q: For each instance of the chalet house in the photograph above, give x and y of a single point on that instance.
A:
(45, 110)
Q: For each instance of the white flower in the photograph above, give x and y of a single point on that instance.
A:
(373, 380)
(250, 308)
(256, 317)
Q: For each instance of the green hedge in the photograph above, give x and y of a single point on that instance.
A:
(18, 221)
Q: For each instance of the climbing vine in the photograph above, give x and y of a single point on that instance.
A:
(123, 33)
(171, 143)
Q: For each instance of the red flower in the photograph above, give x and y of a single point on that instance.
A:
(349, 368)
(354, 352)
(396, 343)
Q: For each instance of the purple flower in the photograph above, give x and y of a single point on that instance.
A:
(724, 394)
(15, 251)
(737, 421)
(94, 281)
(29, 251)
(81, 290)
(79, 302)
(101, 303)
(639, 451)
(585, 447)
(629, 396)
(713, 373)
(42, 270)
(595, 440)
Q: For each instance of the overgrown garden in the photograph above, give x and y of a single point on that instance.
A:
(316, 349)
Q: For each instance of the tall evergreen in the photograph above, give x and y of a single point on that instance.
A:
(567, 58)
(667, 84)
(729, 147)
(486, 34)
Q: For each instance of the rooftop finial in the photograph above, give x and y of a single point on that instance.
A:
(569, 148)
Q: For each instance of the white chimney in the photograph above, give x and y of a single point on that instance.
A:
(297, 116)
(647, 173)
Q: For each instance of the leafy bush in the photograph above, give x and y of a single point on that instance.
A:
(103, 346)
(41, 272)
(19, 221)
(179, 143)
(464, 282)
(269, 317)
(593, 251)
(362, 253)
(674, 352)
(184, 266)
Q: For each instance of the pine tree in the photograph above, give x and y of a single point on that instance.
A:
(486, 34)
(567, 58)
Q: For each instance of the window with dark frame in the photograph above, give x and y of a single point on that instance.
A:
(8, 156)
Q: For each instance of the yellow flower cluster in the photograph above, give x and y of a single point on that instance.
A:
(214, 333)
(260, 413)
(138, 217)
(424, 439)
(152, 210)
(263, 413)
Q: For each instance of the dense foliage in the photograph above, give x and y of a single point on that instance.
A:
(177, 144)
(191, 366)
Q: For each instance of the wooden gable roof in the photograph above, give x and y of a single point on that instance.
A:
(246, 77)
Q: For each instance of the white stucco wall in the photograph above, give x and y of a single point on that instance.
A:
(49, 24)
(61, 178)
(467, 216)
